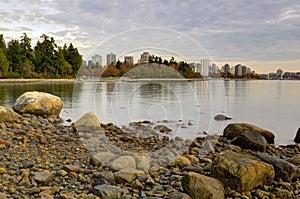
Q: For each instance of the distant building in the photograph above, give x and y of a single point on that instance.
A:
(144, 58)
(279, 73)
(204, 67)
(129, 60)
(226, 70)
(84, 65)
(238, 70)
(90, 64)
(97, 61)
(291, 75)
(213, 69)
(111, 59)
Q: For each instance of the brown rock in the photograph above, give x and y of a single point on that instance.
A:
(87, 123)
(38, 103)
(8, 115)
(43, 178)
(235, 129)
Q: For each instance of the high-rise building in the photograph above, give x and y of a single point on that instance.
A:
(129, 60)
(213, 69)
(226, 70)
(204, 67)
(111, 59)
(97, 61)
(144, 58)
(238, 70)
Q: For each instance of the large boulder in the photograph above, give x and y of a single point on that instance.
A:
(87, 123)
(38, 103)
(297, 137)
(102, 158)
(241, 172)
(8, 115)
(250, 140)
(235, 129)
(202, 187)
(283, 169)
(123, 162)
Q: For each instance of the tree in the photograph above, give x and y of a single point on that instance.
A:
(14, 56)
(73, 57)
(45, 53)
(3, 63)
(2, 43)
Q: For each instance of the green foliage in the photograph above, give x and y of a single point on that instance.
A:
(3, 63)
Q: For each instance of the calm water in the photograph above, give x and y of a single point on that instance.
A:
(187, 107)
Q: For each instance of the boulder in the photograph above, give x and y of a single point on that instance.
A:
(123, 162)
(104, 177)
(102, 158)
(250, 140)
(87, 123)
(235, 129)
(142, 161)
(241, 172)
(283, 169)
(127, 175)
(8, 115)
(38, 103)
(221, 117)
(297, 137)
(109, 191)
(202, 187)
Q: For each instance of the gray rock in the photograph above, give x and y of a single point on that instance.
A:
(127, 175)
(109, 191)
(297, 137)
(221, 117)
(163, 129)
(178, 195)
(202, 187)
(87, 123)
(102, 158)
(241, 172)
(283, 169)
(105, 177)
(142, 161)
(250, 140)
(38, 103)
(8, 115)
(123, 162)
(43, 178)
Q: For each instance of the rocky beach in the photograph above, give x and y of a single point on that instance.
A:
(41, 157)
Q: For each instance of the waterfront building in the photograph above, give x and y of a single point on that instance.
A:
(111, 59)
(238, 70)
(144, 58)
(129, 60)
(97, 61)
(204, 64)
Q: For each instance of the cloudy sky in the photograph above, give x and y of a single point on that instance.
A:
(261, 34)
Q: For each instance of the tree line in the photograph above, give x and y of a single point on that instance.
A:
(18, 59)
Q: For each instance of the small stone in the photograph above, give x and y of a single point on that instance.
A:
(62, 172)
(43, 177)
(2, 170)
(127, 175)
(72, 168)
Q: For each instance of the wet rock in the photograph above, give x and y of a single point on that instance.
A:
(8, 115)
(87, 123)
(250, 140)
(43, 178)
(102, 158)
(163, 129)
(283, 169)
(105, 177)
(241, 172)
(123, 162)
(109, 191)
(38, 103)
(297, 137)
(178, 195)
(127, 175)
(202, 187)
(233, 130)
(221, 117)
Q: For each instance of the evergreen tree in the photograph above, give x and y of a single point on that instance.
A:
(2, 43)
(14, 56)
(3, 63)
(74, 58)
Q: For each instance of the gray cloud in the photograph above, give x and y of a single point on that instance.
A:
(238, 29)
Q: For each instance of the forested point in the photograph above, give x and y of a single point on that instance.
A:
(18, 59)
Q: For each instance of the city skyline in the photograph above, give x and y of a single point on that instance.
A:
(263, 35)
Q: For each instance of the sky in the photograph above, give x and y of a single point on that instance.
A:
(263, 35)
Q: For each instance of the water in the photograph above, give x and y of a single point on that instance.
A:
(188, 107)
